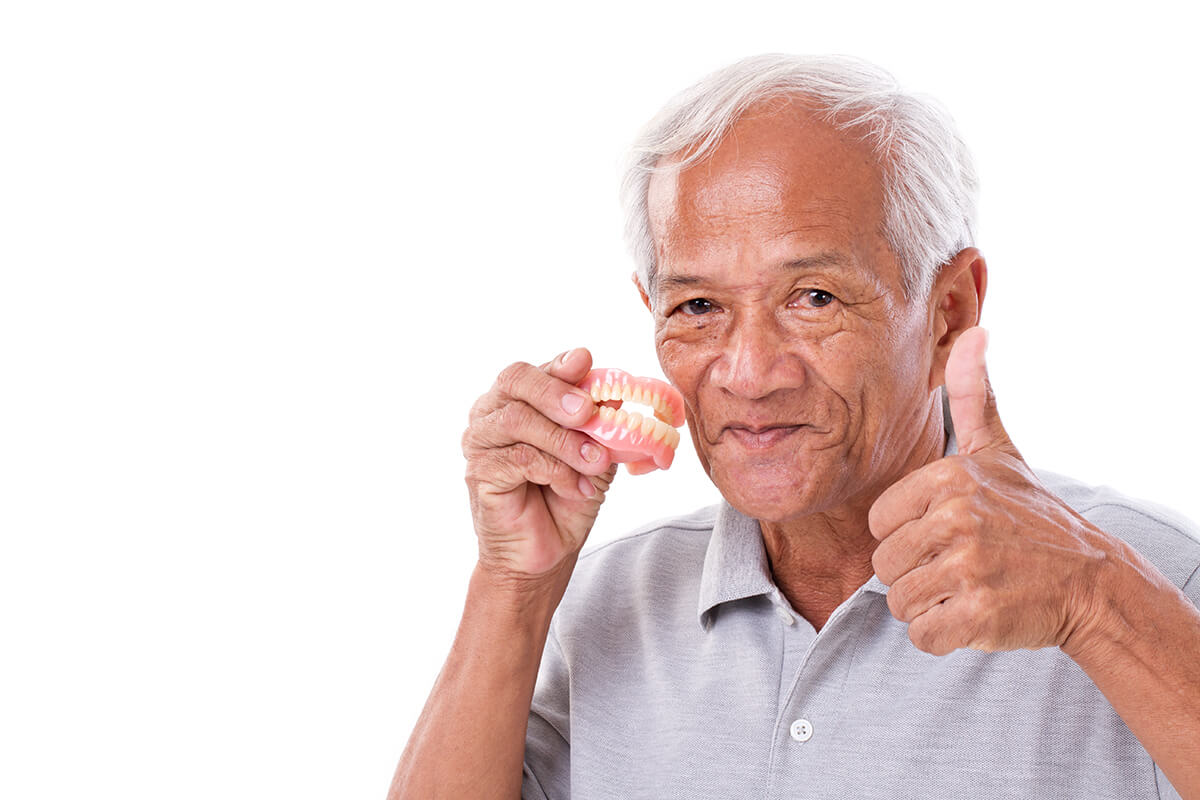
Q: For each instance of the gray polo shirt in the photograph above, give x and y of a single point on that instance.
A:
(676, 669)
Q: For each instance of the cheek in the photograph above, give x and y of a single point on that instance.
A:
(683, 354)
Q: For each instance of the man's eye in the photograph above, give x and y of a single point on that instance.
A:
(817, 298)
(695, 307)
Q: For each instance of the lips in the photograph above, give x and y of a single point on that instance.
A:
(757, 438)
(758, 434)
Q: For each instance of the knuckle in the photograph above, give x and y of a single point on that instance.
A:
(564, 442)
(480, 408)
(512, 418)
(882, 563)
(510, 377)
(958, 472)
(523, 455)
(921, 637)
(955, 517)
(477, 469)
(977, 607)
(876, 516)
(956, 563)
(945, 470)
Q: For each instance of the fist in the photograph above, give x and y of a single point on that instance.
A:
(976, 551)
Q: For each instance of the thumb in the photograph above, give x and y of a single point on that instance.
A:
(977, 423)
(570, 366)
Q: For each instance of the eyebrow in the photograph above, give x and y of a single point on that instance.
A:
(829, 258)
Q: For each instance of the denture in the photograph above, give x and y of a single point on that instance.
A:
(642, 442)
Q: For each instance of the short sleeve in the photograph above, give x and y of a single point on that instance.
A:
(1192, 587)
(547, 774)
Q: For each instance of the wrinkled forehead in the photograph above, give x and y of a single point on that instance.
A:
(778, 171)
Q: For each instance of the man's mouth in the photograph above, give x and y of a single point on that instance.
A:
(760, 437)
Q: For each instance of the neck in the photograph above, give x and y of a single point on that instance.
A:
(821, 559)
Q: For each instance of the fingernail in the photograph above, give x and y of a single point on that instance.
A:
(571, 403)
(585, 486)
(590, 452)
(565, 357)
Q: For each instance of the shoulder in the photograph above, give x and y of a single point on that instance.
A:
(663, 547)
(649, 570)
(1170, 541)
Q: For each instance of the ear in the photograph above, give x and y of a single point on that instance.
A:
(956, 303)
(642, 291)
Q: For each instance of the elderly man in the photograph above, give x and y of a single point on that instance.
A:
(889, 602)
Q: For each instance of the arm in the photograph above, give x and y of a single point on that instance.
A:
(1142, 650)
(470, 738)
(535, 487)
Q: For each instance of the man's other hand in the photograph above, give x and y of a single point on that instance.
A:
(976, 551)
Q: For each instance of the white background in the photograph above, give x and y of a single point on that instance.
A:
(260, 258)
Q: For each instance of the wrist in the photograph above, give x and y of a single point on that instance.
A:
(1121, 591)
(504, 590)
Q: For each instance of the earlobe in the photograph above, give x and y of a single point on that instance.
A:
(956, 301)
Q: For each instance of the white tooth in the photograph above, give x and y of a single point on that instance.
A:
(596, 392)
(648, 426)
(621, 416)
(656, 401)
(633, 421)
(660, 430)
(604, 393)
(626, 393)
(674, 438)
(605, 413)
(639, 395)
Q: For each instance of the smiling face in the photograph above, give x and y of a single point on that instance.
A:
(781, 316)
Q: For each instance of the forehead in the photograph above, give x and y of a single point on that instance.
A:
(780, 180)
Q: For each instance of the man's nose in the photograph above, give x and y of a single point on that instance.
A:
(755, 359)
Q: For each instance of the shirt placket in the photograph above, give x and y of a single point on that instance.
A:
(815, 665)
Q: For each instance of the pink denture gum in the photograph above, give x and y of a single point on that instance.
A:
(642, 443)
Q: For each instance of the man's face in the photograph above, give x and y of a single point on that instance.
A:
(780, 314)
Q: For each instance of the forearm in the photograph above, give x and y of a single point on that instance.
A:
(470, 738)
(1142, 650)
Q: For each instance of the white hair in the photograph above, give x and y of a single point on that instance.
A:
(929, 181)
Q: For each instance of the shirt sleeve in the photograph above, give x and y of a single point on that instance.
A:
(547, 773)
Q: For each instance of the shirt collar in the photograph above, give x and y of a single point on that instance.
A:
(735, 564)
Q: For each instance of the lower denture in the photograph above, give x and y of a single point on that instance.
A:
(643, 443)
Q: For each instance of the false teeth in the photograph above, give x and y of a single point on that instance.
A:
(642, 441)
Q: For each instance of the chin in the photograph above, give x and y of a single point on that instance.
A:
(772, 495)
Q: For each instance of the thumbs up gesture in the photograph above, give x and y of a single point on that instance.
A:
(976, 551)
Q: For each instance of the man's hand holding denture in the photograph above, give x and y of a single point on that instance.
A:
(535, 484)
(542, 450)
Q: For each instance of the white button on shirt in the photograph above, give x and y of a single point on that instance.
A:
(802, 730)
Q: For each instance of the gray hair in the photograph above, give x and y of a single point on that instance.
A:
(929, 181)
